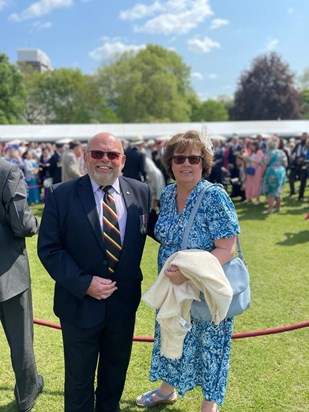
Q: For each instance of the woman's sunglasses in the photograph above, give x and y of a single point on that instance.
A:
(193, 160)
(99, 154)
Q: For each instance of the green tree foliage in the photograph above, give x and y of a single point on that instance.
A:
(304, 93)
(304, 79)
(12, 93)
(266, 91)
(150, 86)
(304, 103)
(211, 111)
(64, 96)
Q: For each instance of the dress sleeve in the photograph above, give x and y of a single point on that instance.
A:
(220, 214)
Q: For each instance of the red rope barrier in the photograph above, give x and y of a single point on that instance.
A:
(241, 335)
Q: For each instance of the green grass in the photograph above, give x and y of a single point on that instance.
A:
(268, 373)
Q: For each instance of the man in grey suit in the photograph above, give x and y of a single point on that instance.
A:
(16, 223)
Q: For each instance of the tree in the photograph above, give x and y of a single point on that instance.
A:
(304, 79)
(266, 91)
(64, 96)
(304, 103)
(12, 92)
(304, 93)
(211, 111)
(150, 86)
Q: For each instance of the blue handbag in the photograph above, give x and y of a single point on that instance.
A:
(250, 170)
(235, 270)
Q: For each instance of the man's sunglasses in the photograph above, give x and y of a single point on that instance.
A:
(99, 154)
(193, 160)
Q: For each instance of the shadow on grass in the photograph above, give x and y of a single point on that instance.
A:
(255, 212)
(10, 407)
(295, 238)
(128, 406)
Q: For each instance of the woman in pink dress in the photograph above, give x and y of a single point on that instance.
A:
(254, 181)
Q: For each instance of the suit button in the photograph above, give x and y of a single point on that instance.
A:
(105, 262)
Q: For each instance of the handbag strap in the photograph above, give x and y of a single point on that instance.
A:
(184, 243)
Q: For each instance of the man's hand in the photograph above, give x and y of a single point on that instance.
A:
(101, 288)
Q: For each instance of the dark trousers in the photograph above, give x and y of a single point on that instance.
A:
(298, 172)
(17, 321)
(106, 348)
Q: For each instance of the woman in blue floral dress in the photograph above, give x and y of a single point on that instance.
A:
(274, 163)
(205, 360)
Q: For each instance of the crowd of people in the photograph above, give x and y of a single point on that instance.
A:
(247, 167)
(91, 240)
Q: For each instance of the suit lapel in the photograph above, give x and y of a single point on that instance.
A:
(129, 202)
(88, 202)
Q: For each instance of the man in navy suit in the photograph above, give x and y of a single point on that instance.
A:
(96, 309)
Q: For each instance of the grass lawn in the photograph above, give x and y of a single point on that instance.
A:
(268, 373)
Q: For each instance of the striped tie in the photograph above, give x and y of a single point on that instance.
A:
(111, 230)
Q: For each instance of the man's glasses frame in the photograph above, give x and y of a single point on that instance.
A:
(99, 154)
(193, 160)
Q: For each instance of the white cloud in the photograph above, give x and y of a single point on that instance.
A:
(174, 17)
(139, 11)
(40, 8)
(290, 10)
(40, 25)
(110, 46)
(197, 75)
(202, 46)
(212, 76)
(216, 23)
(271, 43)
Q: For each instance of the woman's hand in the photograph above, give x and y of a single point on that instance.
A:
(174, 275)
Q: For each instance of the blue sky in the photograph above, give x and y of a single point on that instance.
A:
(218, 39)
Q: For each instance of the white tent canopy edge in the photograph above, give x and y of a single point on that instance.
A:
(82, 132)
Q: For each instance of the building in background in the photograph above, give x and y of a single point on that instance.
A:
(35, 57)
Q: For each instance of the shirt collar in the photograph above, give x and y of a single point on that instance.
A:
(115, 185)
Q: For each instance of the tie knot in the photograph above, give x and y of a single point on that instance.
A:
(106, 188)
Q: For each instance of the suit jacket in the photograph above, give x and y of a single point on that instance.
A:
(55, 168)
(16, 223)
(135, 166)
(72, 249)
(70, 166)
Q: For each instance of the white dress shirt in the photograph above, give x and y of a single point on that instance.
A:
(119, 202)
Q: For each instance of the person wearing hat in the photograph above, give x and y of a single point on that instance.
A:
(135, 166)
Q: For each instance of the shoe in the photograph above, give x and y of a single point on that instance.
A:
(148, 399)
(40, 390)
(268, 211)
(256, 203)
(291, 194)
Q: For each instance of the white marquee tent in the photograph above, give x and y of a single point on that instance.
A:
(82, 132)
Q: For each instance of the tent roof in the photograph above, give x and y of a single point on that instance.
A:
(41, 133)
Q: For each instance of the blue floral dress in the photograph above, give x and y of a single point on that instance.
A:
(206, 353)
(275, 174)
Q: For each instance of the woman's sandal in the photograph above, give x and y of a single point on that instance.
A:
(154, 397)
